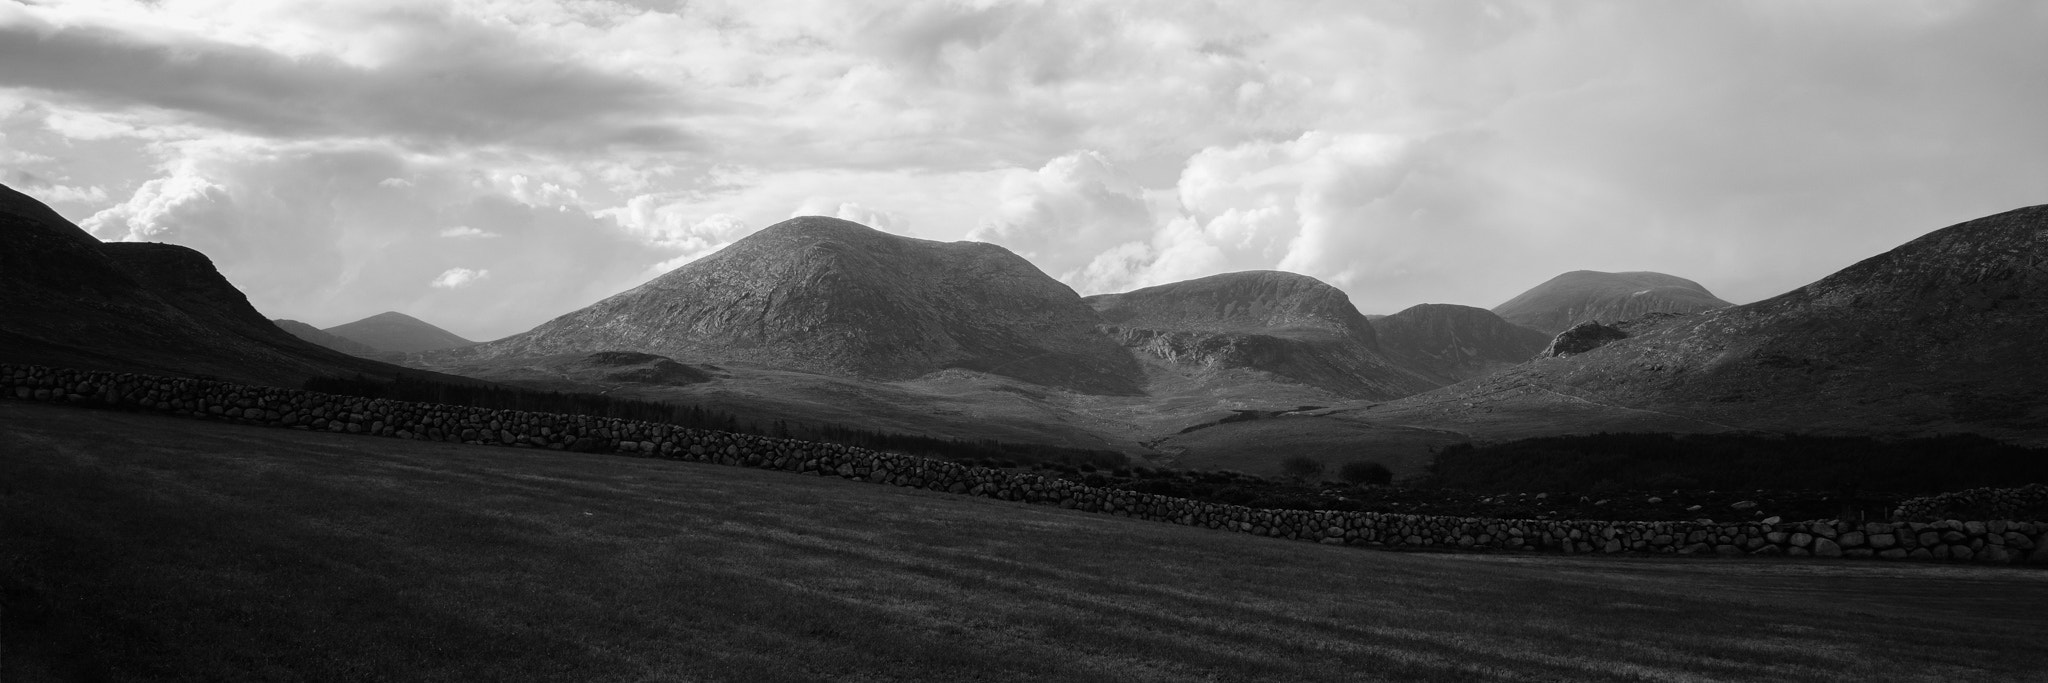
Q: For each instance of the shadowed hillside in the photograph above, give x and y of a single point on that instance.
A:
(68, 299)
(1450, 343)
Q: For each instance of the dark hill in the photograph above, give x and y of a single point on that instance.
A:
(396, 332)
(1941, 334)
(1450, 343)
(1583, 295)
(1292, 326)
(317, 336)
(834, 297)
(68, 299)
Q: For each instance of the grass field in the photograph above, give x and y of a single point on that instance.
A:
(139, 547)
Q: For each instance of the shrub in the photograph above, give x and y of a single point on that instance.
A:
(1302, 467)
(1366, 472)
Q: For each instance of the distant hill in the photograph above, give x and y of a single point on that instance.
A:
(68, 299)
(1289, 325)
(317, 336)
(1449, 343)
(396, 332)
(833, 297)
(1942, 334)
(1583, 295)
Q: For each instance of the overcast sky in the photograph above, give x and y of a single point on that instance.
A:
(489, 164)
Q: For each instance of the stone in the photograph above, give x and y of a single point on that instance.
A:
(1802, 539)
(1882, 541)
(1960, 553)
(1929, 539)
(1743, 505)
(1825, 548)
(1778, 537)
(1773, 519)
(1893, 554)
(1852, 539)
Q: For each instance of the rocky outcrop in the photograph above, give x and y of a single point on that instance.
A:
(1583, 295)
(1292, 326)
(1996, 541)
(1581, 338)
(834, 297)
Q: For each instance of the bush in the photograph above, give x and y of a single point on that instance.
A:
(1366, 473)
(1302, 467)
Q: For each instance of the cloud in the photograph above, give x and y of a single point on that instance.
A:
(1446, 151)
(463, 231)
(1061, 216)
(887, 221)
(432, 78)
(310, 232)
(458, 277)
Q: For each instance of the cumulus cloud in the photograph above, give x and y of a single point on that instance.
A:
(458, 277)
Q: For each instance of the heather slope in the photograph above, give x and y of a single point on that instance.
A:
(1583, 295)
(1289, 326)
(837, 298)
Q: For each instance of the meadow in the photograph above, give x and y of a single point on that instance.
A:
(138, 547)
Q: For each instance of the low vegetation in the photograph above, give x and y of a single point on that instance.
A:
(979, 451)
(139, 547)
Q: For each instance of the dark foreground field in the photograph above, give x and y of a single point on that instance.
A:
(139, 547)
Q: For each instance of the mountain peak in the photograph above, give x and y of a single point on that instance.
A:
(395, 332)
(1582, 295)
(835, 297)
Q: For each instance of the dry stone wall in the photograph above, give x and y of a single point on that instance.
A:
(1996, 541)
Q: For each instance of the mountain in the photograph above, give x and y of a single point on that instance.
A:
(1450, 343)
(1288, 325)
(68, 299)
(1583, 295)
(317, 336)
(834, 297)
(1941, 334)
(396, 332)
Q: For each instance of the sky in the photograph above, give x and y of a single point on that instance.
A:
(487, 165)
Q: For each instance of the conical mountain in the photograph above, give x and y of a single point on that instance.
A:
(68, 299)
(835, 297)
(1943, 333)
(1583, 295)
(1450, 343)
(1290, 325)
(396, 332)
(315, 335)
